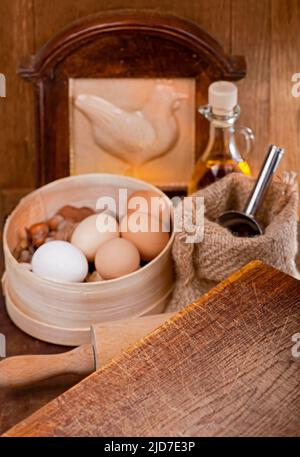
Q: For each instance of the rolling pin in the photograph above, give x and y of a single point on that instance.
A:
(108, 340)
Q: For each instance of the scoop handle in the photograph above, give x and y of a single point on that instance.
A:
(272, 160)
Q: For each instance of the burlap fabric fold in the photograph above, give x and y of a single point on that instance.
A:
(200, 266)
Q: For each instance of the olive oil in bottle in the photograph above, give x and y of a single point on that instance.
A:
(221, 155)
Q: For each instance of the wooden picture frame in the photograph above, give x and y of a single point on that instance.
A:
(118, 45)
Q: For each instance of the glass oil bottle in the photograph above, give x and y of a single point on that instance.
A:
(222, 155)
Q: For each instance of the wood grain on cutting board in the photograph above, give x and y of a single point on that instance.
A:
(222, 366)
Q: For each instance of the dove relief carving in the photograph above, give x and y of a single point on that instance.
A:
(139, 136)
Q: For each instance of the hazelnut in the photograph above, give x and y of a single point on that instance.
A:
(74, 214)
(24, 256)
(22, 245)
(38, 233)
(54, 221)
(64, 231)
(93, 277)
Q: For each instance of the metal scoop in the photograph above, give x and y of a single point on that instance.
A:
(243, 223)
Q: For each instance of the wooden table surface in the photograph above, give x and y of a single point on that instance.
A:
(223, 366)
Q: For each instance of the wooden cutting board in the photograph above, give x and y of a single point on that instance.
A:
(222, 366)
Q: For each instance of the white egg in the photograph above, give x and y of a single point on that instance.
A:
(61, 261)
(94, 231)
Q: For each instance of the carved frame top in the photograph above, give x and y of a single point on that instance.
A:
(117, 44)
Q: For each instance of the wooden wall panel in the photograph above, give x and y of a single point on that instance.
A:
(9, 198)
(285, 61)
(203, 12)
(16, 110)
(250, 35)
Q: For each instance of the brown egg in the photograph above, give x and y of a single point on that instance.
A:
(145, 232)
(116, 257)
(147, 201)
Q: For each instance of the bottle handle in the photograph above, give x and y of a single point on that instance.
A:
(248, 135)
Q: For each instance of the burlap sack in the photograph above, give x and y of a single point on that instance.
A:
(202, 265)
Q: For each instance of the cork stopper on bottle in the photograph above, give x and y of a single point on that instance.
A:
(222, 97)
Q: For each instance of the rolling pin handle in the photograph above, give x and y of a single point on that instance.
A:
(29, 369)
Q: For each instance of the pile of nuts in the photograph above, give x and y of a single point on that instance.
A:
(58, 227)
